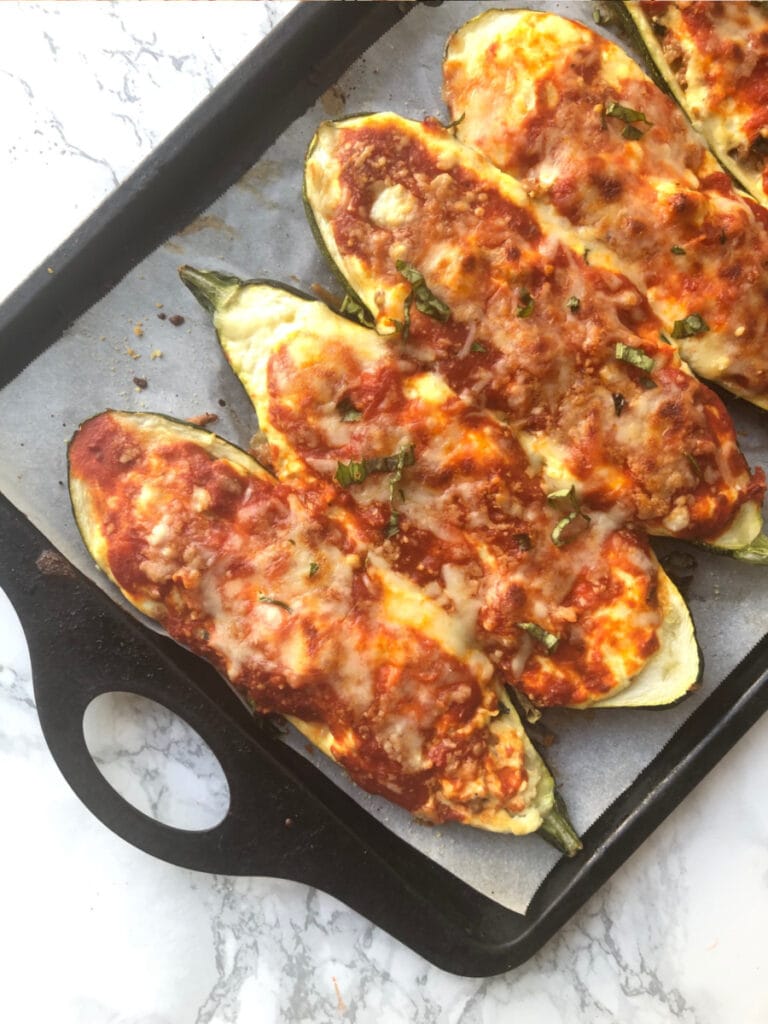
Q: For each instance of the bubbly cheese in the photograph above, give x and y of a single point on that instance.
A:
(472, 526)
(600, 145)
(716, 63)
(544, 330)
(270, 582)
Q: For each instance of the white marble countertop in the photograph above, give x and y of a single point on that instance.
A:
(95, 931)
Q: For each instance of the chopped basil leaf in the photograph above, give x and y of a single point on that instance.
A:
(574, 303)
(586, 255)
(694, 464)
(356, 472)
(314, 568)
(664, 338)
(347, 411)
(693, 324)
(477, 346)
(426, 301)
(626, 114)
(631, 133)
(526, 305)
(619, 401)
(351, 473)
(405, 328)
(353, 308)
(568, 496)
(564, 494)
(348, 473)
(557, 534)
(678, 250)
(405, 457)
(393, 524)
(546, 639)
(265, 599)
(633, 356)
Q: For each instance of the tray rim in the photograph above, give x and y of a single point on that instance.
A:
(42, 307)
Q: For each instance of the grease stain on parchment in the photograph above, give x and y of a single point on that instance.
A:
(260, 178)
(333, 101)
(207, 222)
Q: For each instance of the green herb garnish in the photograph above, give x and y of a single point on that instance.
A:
(546, 639)
(393, 524)
(525, 308)
(347, 411)
(692, 324)
(678, 250)
(477, 346)
(314, 568)
(631, 133)
(633, 356)
(426, 301)
(625, 114)
(567, 496)
(574, 303)
(619, 401)
(356, 472)
(265, 599)
(353, 308)
(564, 494)
(348, 473)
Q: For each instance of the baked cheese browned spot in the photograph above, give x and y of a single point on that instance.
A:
(567, 603)
(203, 540)
(715, 58)
(591, 136)
(566, 352)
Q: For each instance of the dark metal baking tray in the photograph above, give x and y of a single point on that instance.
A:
(286, 819)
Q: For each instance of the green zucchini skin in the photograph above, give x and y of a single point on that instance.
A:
(245, 323)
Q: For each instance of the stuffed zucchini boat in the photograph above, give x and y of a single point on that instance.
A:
(258, 577)
(593, 139)
(452, 258)
(570, 606)
(714, 60)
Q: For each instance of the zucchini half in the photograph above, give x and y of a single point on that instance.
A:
(452, 259)
(257, 577)
(716, 110)
(330, 393)
(571, 115)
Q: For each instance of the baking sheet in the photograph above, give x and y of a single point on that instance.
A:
(122, 354)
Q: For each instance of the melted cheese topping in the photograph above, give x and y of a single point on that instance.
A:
(269, 583)
(536, 319)
(715, 57)
(646, 189)
(473, 529)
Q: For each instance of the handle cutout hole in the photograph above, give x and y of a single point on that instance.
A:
(155, 761)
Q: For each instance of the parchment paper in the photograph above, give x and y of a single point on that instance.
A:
(258, 229)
